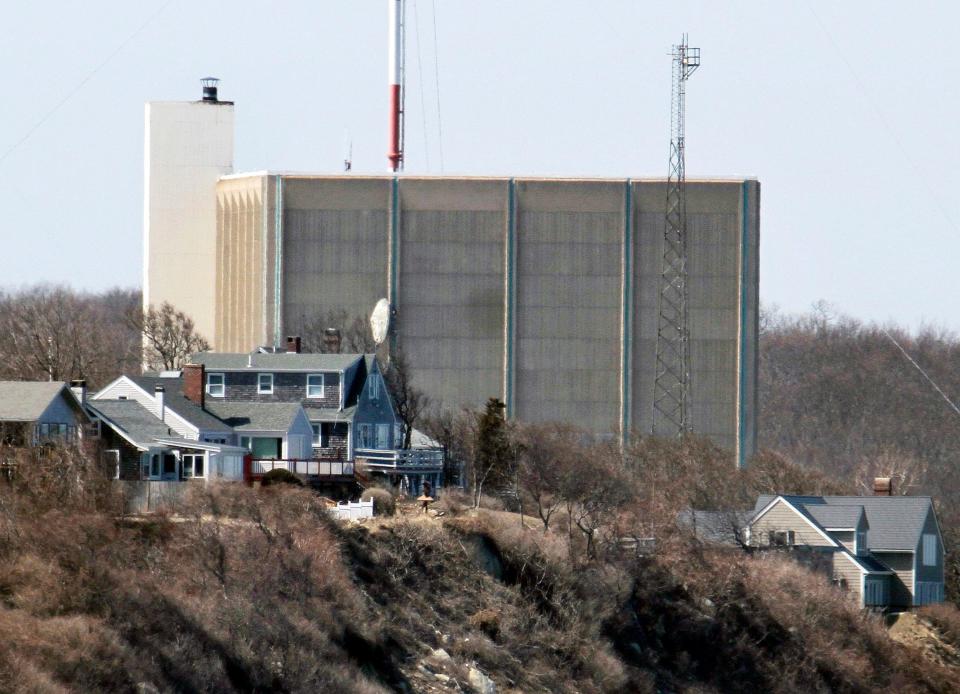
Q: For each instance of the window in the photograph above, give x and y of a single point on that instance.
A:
(861, 542)
(781, 538)
(215, 387)
(374, 388)
(154, 465)
(315, 384)
(191, 465)
(264, 384)
(317, 435)
(929, 550)
(245, 442)
(383, 436)
(365, 436)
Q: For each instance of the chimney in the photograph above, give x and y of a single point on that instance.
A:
(210, 89)
(194, 385)
(882, 486)
(159, 393)
(293, 344)
(331, 340)
(79, 388)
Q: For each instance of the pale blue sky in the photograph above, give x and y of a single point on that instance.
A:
(845, 112)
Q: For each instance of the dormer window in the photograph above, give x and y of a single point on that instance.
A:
(374, 388)
(265, 384)
(215, 386)
(315, 385)
(861, 542)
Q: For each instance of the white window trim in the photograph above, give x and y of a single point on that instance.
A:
(260, 390)
(323, 385)
(222, 384)
(318, 434)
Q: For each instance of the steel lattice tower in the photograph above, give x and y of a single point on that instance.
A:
(671, 399)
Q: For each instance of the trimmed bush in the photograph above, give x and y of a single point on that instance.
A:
(383, 502)
(280, 476)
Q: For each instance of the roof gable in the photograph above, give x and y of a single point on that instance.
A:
(26, 401)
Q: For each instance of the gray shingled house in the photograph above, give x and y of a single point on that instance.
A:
(37, 412)
(351, 414)
(886, 550)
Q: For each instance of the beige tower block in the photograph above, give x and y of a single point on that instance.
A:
(188, 146)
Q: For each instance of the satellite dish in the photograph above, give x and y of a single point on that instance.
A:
(380, 321)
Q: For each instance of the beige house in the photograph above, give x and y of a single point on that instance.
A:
(886, 550)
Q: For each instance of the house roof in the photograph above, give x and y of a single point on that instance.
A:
(836, 517)
(25, 401)
(131, 418)
(896, 522)
(717, 527)
(330, 414)
(226, 361)
(174, 398)
(256, 416)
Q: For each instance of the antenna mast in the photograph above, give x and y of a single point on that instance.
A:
(671, 396)
(396, 10)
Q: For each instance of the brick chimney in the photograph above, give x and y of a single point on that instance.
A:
(293, 344)
(882, 486)
(331, 340)
(194, 383)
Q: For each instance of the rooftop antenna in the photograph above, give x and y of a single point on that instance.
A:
(396, 78)
(348, 156)
(671, 394)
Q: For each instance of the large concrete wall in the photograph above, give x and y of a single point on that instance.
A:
(542, 292)
(188, 146)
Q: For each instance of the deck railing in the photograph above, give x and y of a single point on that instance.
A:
(255, 468)
(397, 459)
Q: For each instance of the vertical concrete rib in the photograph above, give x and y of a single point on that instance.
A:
(278, 262)
(265, 275)
(393, 256)
(510, 299)
(626, 314)
(742, 334)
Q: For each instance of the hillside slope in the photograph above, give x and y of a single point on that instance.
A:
(257, 590)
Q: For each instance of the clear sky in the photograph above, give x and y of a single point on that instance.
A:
(846, 112)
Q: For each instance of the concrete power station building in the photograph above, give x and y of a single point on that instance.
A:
(542, 292)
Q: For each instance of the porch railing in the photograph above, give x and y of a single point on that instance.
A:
(255, 468)
(396, 459)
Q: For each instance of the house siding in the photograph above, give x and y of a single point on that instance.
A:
(929, 574)
(287, 387)
(379, 411)
(845, 569)
(59, 411)
(127, 390)
(901, 583)
(845, 538)
(781, 517)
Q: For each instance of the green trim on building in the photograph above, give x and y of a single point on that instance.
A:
(742, 356)
(626, 328)
(510, 300)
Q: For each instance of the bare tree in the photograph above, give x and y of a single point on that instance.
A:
(355, 334)
(169, 336)
(546, 454)
(55, 333)
(409, 401)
